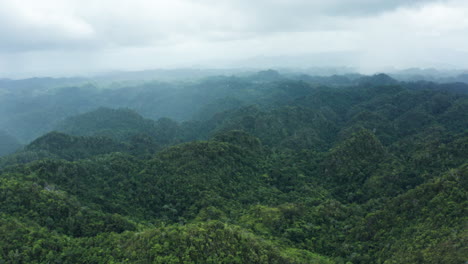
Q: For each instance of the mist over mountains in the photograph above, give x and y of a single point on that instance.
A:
(219, 131)
(234, 166)
(33, 106)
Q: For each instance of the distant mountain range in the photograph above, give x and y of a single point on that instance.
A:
(192, 74)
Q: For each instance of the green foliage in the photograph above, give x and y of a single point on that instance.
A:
(72, 147)
(350, 164)
(210, 242)
(291, 127)
(8, 144)
(424, 225)
(52, 208)
(26, 242)
(271, 171)
(104, 122)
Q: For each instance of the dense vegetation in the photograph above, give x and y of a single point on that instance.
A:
(254, 169)
(8, 143)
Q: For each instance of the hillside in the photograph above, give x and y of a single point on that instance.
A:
(8, 143)
(260, 169)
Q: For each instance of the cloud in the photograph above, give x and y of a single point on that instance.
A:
(64, 36)
(31, 25)
(434, 35)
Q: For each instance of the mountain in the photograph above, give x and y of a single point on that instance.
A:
(116, 124)
(8, 144)
(263, 168)
(378, 79)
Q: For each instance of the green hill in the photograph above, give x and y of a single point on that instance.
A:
(270, 170)
(8, 144)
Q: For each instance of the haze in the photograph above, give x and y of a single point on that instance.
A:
(71, 37)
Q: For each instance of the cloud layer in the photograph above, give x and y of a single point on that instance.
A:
(54, 37)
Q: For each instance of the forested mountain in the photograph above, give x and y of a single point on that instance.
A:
(8, 143)
(29, 110)
(264, 168)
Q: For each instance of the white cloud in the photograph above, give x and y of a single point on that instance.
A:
(29, 25)
(434, 35)
(70, 36)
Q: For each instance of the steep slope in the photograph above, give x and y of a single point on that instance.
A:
(8, 144)
(424, 225)
(117, 124)
(272, 171)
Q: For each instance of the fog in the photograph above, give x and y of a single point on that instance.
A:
(70, 37)
(233, 131)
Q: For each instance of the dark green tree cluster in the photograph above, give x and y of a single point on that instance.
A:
(270, 170)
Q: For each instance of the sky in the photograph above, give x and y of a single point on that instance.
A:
(76, 37)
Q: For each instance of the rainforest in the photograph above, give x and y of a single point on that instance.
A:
(264, 167)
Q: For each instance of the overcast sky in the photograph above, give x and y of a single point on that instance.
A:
(71, 37)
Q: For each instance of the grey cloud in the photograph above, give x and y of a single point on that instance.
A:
(369, 7)
(145, 33)
(131, 24)
(139, 23)
(27, 30)
(302, 15)
(302, 8)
